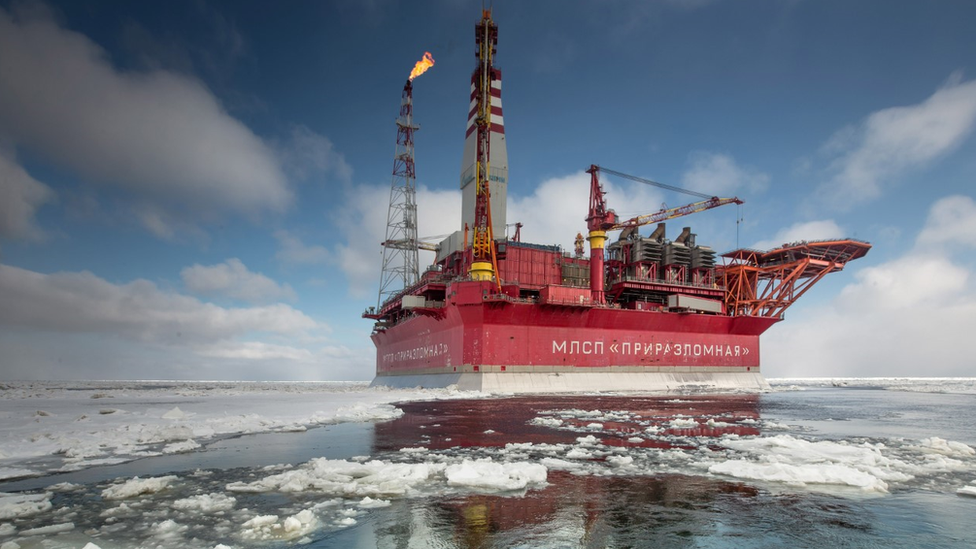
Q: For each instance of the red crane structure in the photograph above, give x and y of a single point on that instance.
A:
(601, 219)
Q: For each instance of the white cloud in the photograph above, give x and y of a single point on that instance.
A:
(897, 139)
(952, 220)
(293, 250)
(363, 224)
(912, 315)
(232, 279)
(20, 197)
(825, 229)
(82, 303)
(159, 135)
(255, 350)
(718, 174)
(556, 211)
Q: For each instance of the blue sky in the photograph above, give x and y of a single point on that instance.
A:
(197, 189)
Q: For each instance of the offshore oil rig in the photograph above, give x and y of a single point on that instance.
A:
(642, 313)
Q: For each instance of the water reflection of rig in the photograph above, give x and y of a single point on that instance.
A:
(593, 509)
(638, 313)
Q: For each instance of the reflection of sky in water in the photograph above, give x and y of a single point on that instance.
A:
(640, 477)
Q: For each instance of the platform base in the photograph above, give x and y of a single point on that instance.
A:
(584, 382)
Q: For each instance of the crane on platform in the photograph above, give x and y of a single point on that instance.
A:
(601, 219)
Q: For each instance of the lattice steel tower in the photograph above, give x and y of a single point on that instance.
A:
(400, 261)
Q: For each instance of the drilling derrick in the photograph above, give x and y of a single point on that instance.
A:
(484, 262)
(400, 262)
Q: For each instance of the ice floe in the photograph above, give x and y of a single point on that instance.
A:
(70, 420)
(138, 486)
(965, 385)
(23, 505)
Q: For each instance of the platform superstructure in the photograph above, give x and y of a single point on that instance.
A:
(639, 313)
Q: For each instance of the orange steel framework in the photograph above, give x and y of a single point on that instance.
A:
(766, 283)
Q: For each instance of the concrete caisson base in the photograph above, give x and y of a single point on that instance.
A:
(583, 382)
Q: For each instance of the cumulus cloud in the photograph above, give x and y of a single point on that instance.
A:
(159, 135)
(363, 225)
(82, 303)
(232, 279)
(894, 140)
(293, 250)
(20, 197)
(718, 174)
(911, 315)
(952, 221)
(824, 229)
(556, 210)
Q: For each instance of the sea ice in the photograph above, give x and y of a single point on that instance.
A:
(137, 487)
(267, 527)
(14, 506)
(492, 476)
(206, 503)
(174, 416)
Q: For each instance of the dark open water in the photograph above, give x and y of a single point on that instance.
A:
(642, 480)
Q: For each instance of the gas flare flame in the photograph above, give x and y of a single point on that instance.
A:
(422, 66)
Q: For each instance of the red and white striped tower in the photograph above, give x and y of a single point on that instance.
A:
(484, 166)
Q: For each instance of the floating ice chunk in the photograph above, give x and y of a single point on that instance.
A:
(417, 450)
(783, 458)
(588, 440)
(560, 464)
(168, 530)
(595, 426)
(546, 421)
(967, 491)
(370, 503)
(489, 432)
(620, 461)
(206, 503)
(342, 477)
(946, 447)
(48, 530)
(802, 474)
(489, 475)
(181, 447)
(635, 440)
(716, 424)
(175, 413)
(683, 423)
(23, 505)
(16, 472)
(776, 426)
(267, 527)
(137, 487)
(579, 453)
(91, 545)
(64, 487)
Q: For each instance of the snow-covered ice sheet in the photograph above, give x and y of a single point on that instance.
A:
(96, 423)
(963, 385)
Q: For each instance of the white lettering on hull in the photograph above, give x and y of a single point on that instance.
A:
(637, 348)
(417, 353)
